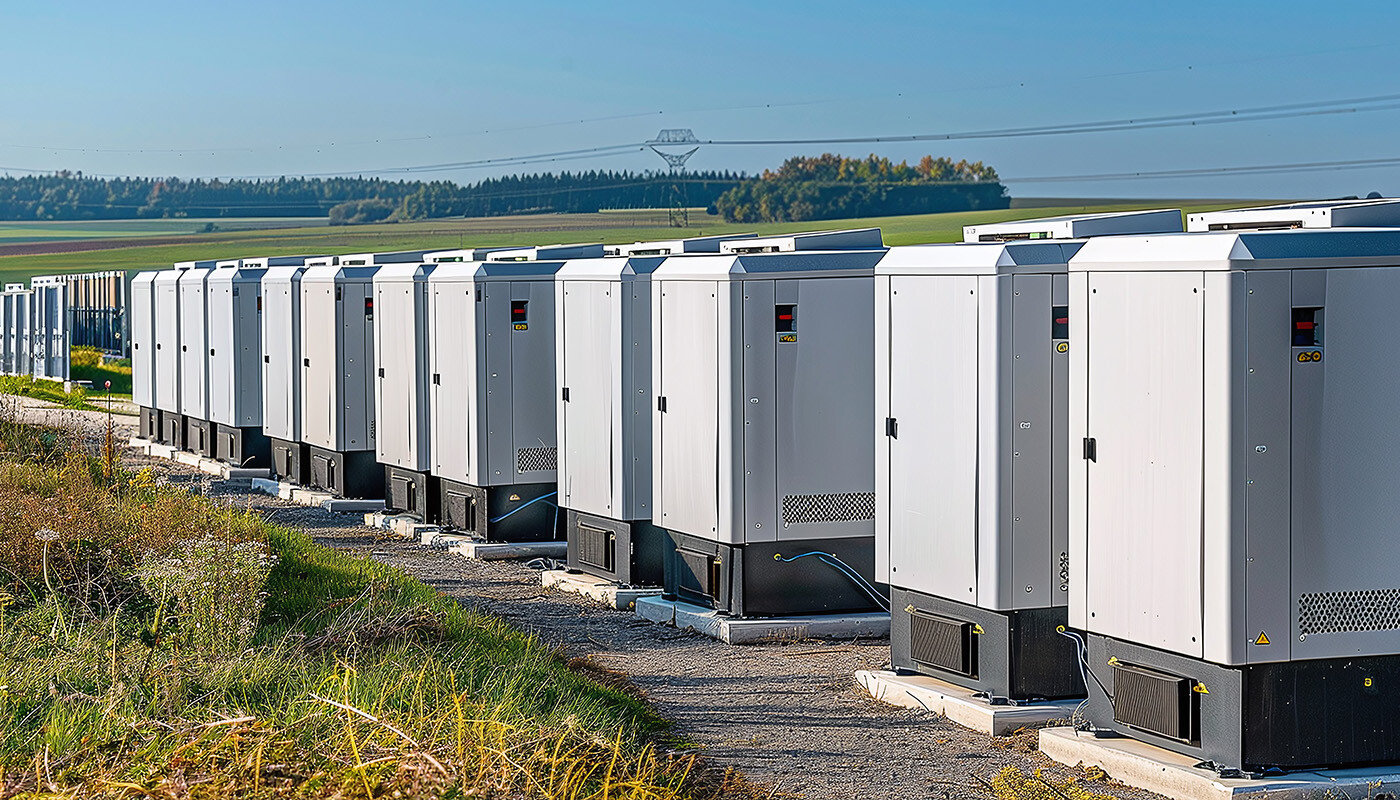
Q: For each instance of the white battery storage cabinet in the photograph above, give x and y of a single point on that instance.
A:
(762, 457)
(17, 302)
(282, 368)
(143, 354)
(337, 392)
(491, 358)
(1382, 212)
(1232, 517)
(49, 298)
(603, 368)
(193, 300)
(971, 431)
(169, 361)
(235, 303)
(401, 402)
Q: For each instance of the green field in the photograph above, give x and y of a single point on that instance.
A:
(20, 232)
(607, 227)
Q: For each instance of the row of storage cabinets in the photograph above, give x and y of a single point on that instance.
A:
(1091, 454)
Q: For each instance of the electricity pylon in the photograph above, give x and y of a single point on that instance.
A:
(680, 209)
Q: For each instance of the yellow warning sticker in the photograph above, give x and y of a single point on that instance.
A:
(1062, 347)
(1262, 638)
(1200, 688)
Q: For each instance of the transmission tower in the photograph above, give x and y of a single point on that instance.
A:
(680, 207)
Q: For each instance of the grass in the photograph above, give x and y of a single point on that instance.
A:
(87, 364)
(50, 391)
(154, 643)
(78, 230)
(608, 227)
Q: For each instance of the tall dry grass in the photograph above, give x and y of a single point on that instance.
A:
(154, 643)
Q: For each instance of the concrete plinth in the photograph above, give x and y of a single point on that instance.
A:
(400, 524)
(1175, 775)
(595, 588)
(275, 488)
(231, 473)
(735, 630)
(501, 551)
(959, 704)
(341, 504)
(187, 458)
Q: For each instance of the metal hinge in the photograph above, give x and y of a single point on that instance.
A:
(1091, 449)
(892, 427)
(661, 404)
(564, 394)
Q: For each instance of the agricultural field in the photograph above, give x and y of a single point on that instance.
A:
(157, 249)
(25, 232)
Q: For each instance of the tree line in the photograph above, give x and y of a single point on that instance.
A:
(74, 196)
(803, 188)
(834, 187)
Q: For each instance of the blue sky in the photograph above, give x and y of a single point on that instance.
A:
(264, 88)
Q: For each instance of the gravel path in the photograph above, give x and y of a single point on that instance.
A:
(789, 716)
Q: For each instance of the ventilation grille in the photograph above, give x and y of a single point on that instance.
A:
(943, 643)
(1154, 702)
(799, 509)
(699, 575)
(535, 459)
(595, 547)
(1349, 612)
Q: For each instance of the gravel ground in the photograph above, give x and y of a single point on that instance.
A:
(789, 716)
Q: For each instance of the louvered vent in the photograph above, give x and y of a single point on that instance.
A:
(1155, 702)
(1355, 611)
(535, 459)
(595, 547)
(944, 643)
(800, 509)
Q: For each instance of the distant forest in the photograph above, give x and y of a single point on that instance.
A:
(74, 196)
(833, 187)
(823, 187)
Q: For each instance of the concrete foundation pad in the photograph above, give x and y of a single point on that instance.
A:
(402, 524)
(340, 504)
(244, 473)
(1175, 775)
(959, 704)
(594, 588)
(309, 497)
(503, 551)
(187, 458)
(275, 488)
(138, 443)
(738, 630)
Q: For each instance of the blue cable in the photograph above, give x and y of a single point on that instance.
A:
(527, 505)
(842, 567)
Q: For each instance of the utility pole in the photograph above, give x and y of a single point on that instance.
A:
(680, 209)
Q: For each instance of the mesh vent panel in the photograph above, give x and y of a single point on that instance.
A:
(940, 642)
(1349, 612)
(1155, 702)
(595, 547)
(845, 507)
(535, 459)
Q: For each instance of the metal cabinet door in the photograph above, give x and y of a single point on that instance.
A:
(687, 448)
(194, 344)
(933, 453)
(591, 344)
(395, 382)
(534, 428)
(320, 365)
(281, 359)
(452, 357)
(1146, 367)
